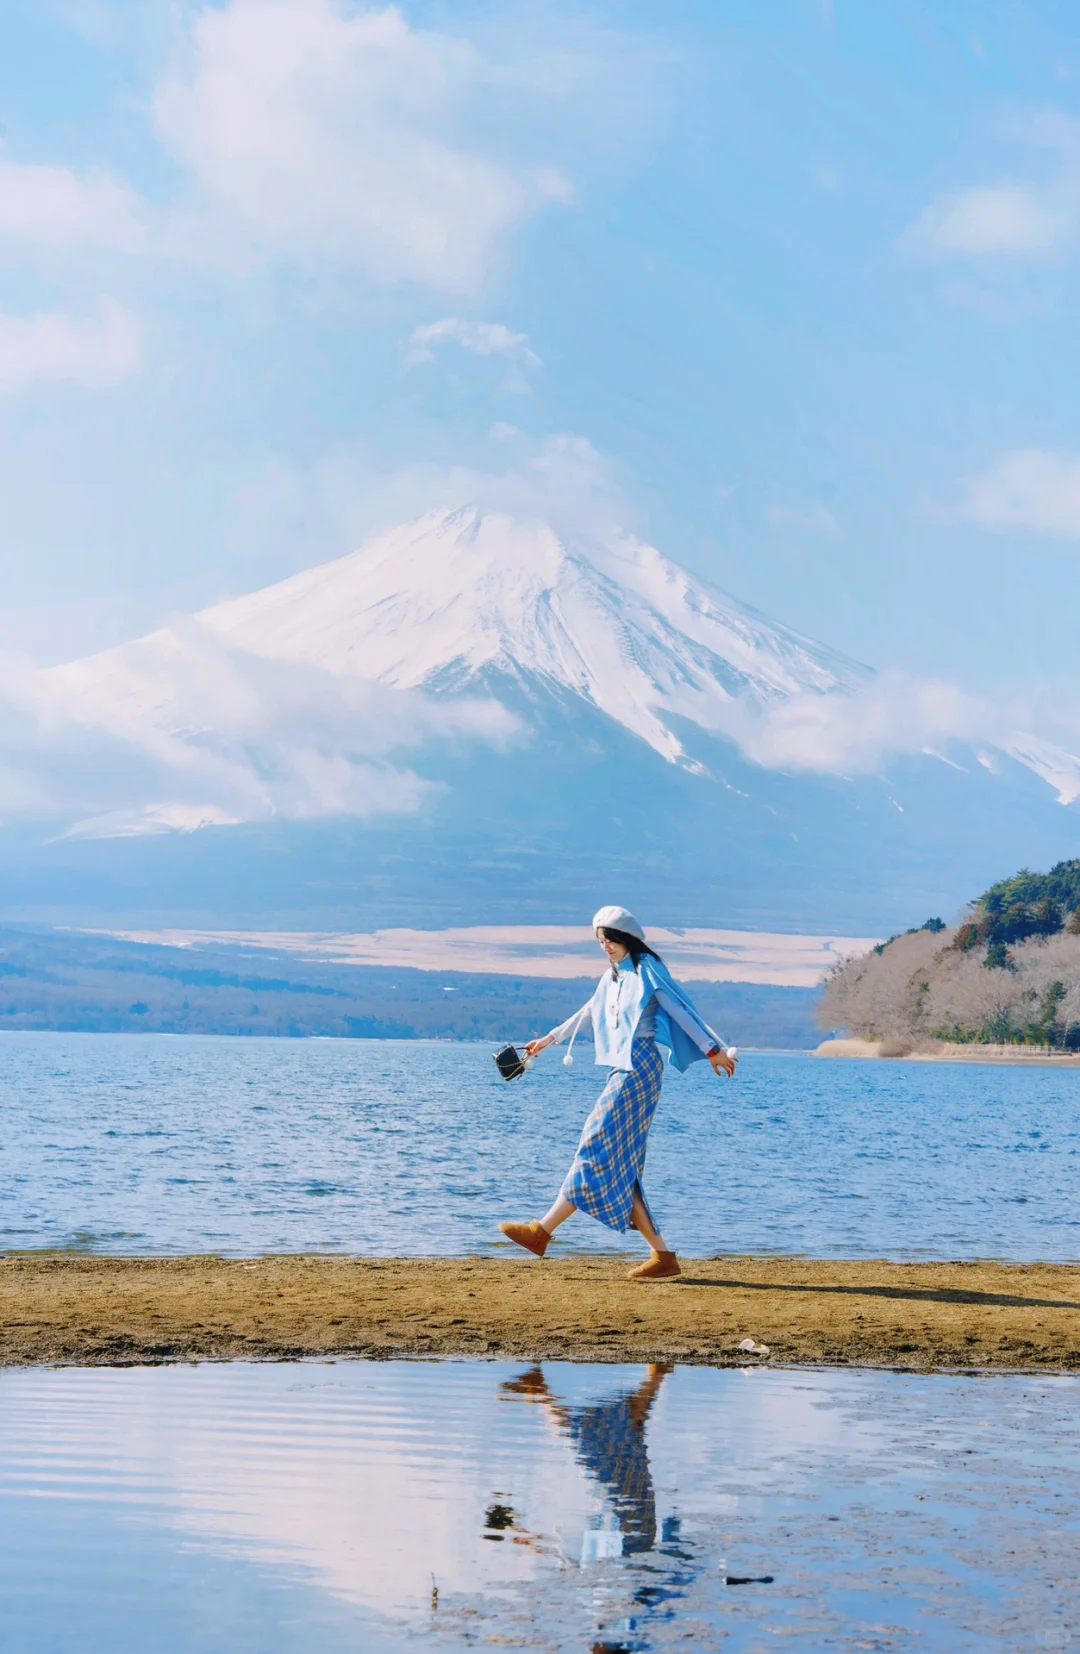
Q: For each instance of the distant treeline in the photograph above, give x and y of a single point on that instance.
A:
(1007, 974)
(66, 980)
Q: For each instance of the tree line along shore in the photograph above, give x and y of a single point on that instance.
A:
(1003, 980)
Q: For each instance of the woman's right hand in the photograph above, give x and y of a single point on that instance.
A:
(535, 1046)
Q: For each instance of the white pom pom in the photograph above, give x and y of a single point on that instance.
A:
(568, 1061)
(528, 1062)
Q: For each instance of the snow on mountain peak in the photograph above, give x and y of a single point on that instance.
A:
(461, 597)
(298, 700)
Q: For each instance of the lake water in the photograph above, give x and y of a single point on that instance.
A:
(324, 1508)
(158, 1144)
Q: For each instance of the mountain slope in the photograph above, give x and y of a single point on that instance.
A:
(469, 719)
(460, 598)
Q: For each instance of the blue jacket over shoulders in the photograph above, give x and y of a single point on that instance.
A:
(647, 1001)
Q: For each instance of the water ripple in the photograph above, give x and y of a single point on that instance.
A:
(164, 1144)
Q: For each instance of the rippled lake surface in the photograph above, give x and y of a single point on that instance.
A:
(158, 1144)
(392, 1506)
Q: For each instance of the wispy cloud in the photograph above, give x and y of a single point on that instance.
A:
(342, 497)
(840, 733)
(482, 338)
(313, 136)
(95, 351)
(325, 135)
(55, 218)
(1011, 219)
(1027, 488)
(179, 730)
(44, 207)
(897, 714)
(994, 219)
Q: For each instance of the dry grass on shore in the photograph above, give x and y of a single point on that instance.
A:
(110, 1311)
(910, 1050)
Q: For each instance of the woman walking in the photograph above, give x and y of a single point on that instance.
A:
(636, 1006)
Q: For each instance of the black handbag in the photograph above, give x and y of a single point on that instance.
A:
(510, 1065)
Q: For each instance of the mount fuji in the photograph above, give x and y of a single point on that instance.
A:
(474, 719)
(461, 600)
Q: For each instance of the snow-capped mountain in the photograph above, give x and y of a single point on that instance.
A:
(299, 700)
(472, 714)
(460, 599)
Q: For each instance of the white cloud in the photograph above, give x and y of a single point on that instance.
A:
(47, 211)
(344, 496)
(53, 207)
(994, 219)
(1011, 219)
(322, 134)
(482, 338)
(178, 731)
(895, 714)
(150, 821)
(1027, 489)
(95, 351)
(838, 733)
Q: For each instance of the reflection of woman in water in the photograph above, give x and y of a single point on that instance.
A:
(637, 1005)
(609, 1441)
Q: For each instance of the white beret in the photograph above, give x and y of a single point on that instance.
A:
(618, 918)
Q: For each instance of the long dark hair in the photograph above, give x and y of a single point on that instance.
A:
(634, 946)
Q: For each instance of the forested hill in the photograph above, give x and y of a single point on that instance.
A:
(1007, 973)
(1027, 905)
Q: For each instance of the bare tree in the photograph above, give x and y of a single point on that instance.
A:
(922, 986)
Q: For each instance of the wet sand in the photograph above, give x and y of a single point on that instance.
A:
(118, 1311)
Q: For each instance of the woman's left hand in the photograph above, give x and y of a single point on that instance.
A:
(722, 1063)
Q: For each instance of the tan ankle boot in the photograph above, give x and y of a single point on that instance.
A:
(532, 1236)
(661, 1266)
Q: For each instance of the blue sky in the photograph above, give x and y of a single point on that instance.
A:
(788, 288)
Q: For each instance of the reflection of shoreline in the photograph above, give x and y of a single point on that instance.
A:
(609, 1444)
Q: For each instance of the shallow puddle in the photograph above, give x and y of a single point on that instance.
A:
(392, 1506)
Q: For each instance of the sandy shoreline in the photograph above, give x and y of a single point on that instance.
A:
(109, 1311)
(1024, 1056)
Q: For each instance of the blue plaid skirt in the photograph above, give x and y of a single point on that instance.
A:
(611, 1155)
